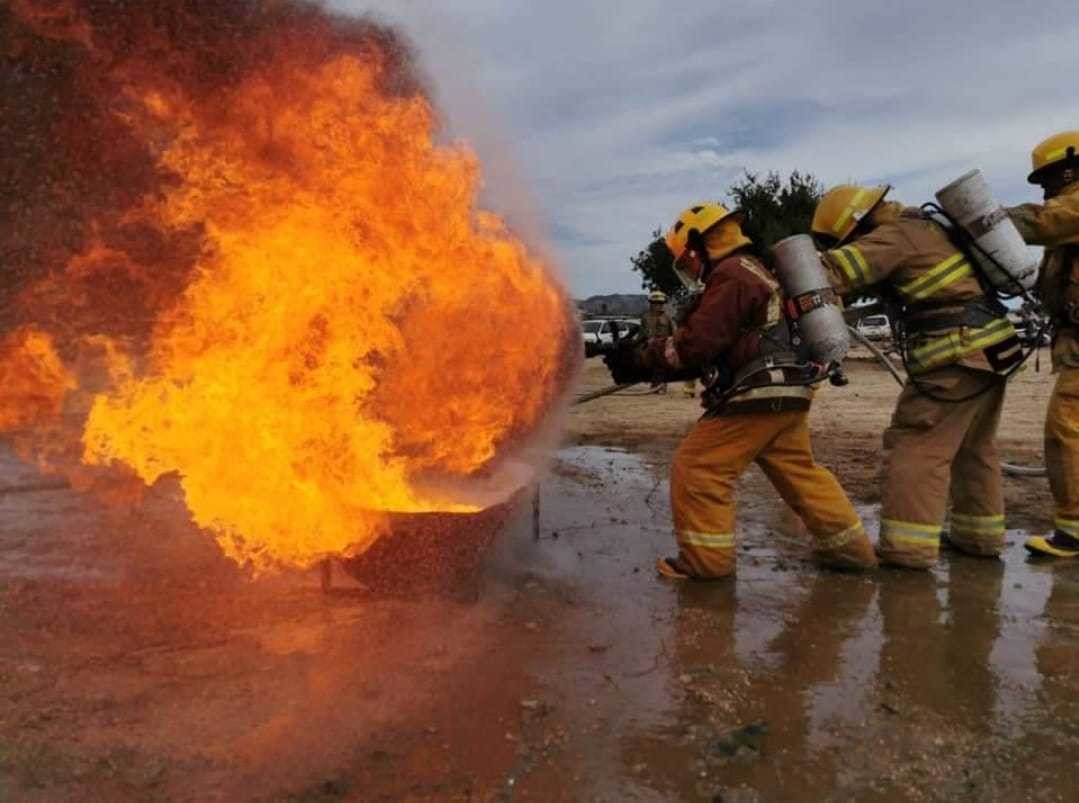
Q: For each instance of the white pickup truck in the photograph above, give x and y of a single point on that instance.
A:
(599, 335)
(875, 327)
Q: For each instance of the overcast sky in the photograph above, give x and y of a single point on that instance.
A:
(599, 120)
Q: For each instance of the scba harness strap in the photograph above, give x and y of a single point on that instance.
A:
(779, 379)
(976, 313)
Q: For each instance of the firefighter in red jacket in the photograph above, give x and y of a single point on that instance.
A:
(753, 414)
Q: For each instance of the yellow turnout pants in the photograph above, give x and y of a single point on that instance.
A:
(707, 466)
(934, 449)
(1062, 450)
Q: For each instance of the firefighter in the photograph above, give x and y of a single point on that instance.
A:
(1055, 224)
(727, 337)
(958, 347)
(657, 323)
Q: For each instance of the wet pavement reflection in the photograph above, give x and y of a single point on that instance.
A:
(138, 663)
(795, 684)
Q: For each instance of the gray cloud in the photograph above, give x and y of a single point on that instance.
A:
(598, 121)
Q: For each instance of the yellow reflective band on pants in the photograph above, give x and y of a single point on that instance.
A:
(841, 538)
(950, 348)
(951, 270)
(978, 524)
(910, 533)
(979, 534)
(1062, 450)
(705, 473)
(707, 540)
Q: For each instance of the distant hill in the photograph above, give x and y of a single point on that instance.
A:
(633, 305)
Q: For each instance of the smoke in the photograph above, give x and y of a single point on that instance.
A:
(78, 257)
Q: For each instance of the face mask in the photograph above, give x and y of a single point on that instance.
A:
(692, 285)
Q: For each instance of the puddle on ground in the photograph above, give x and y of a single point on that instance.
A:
(790, 683)
(577, 675)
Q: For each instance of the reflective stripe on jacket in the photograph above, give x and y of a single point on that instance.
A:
(913, 258)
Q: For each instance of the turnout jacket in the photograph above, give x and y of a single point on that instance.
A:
(909, 259)
(724, 331)
(1055, 224)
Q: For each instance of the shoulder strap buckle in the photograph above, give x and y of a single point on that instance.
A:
(805, 303)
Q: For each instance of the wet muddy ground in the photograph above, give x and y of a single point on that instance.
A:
(137, 664)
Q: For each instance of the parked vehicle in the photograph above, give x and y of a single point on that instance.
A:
(875, 327)
(599, 335)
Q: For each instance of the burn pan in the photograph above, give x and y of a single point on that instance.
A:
(439, 553)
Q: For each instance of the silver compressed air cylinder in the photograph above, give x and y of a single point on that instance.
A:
(805, 282)
(969, 201)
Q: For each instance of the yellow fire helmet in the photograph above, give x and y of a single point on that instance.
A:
(842, 208)
(1053, 150)
(699, 217)
(657, 297)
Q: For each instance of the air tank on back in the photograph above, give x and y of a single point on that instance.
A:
(820, 320)
(1001, 253)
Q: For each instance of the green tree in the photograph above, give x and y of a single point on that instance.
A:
(656, 266)
(775, 208)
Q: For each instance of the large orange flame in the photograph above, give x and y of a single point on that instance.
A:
(34, 380)
(347, 329)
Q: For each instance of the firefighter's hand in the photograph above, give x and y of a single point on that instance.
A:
(625, 363)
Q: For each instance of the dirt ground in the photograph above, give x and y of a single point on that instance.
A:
(137, 664)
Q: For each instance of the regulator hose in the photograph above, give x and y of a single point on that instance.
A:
(607, 391)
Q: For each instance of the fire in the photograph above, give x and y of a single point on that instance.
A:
(305, 315)
(34, 380)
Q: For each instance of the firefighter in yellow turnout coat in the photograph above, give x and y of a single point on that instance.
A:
(958, 346)
(1055, 224)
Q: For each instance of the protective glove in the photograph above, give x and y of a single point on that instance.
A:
(625, 363)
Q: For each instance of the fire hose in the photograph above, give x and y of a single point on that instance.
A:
(607, 391)
(1008, 468)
